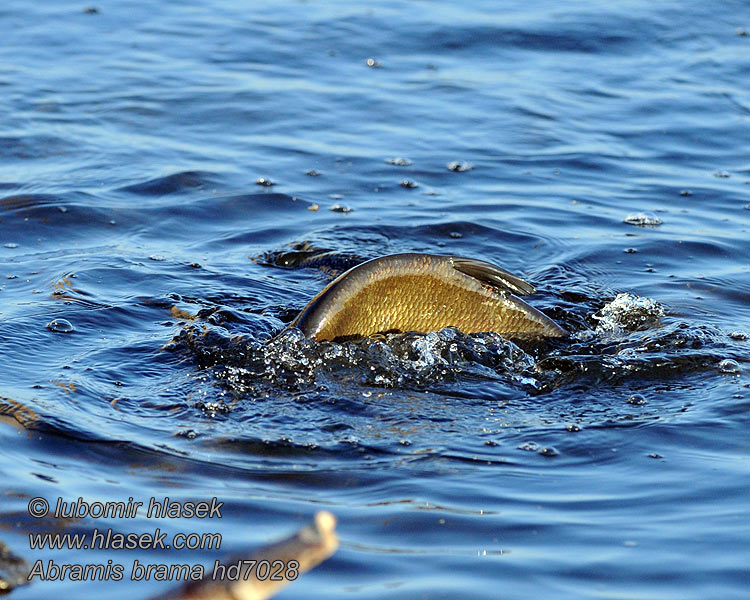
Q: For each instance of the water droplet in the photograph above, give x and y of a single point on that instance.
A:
(630, 250)
(721, 174)
(398, 161)
(60, 326)
(157, 258)
(455, 235)
(264, 181)
(341, 208)
(408, 183)
(637, 399)
(573, 428)
(654, 455)
(643, 220)
(11, 245)
(548, 451)
(213, 408)
(529, 447)
(313, 173)
(686, 193)
(729, 366)
(373, 64)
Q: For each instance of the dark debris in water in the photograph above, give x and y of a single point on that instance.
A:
(303, 255)
(548, 451)
(13, 570)
(459, 166)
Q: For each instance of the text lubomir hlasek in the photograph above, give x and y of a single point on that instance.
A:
(157, 509)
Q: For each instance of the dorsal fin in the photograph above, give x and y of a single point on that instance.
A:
(492, 275)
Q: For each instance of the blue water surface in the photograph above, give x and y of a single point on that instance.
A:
(595, 148)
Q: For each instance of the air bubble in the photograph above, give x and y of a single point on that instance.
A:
(60, 326)
(729, 366)
(637, 399)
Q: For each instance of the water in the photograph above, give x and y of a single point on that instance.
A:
(597, 149)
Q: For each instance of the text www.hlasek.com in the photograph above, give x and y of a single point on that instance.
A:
(109, 540)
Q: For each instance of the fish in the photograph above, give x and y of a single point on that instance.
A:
(423, 293)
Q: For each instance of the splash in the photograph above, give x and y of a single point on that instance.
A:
(408, 360)
(628, 312)
(623, 341)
